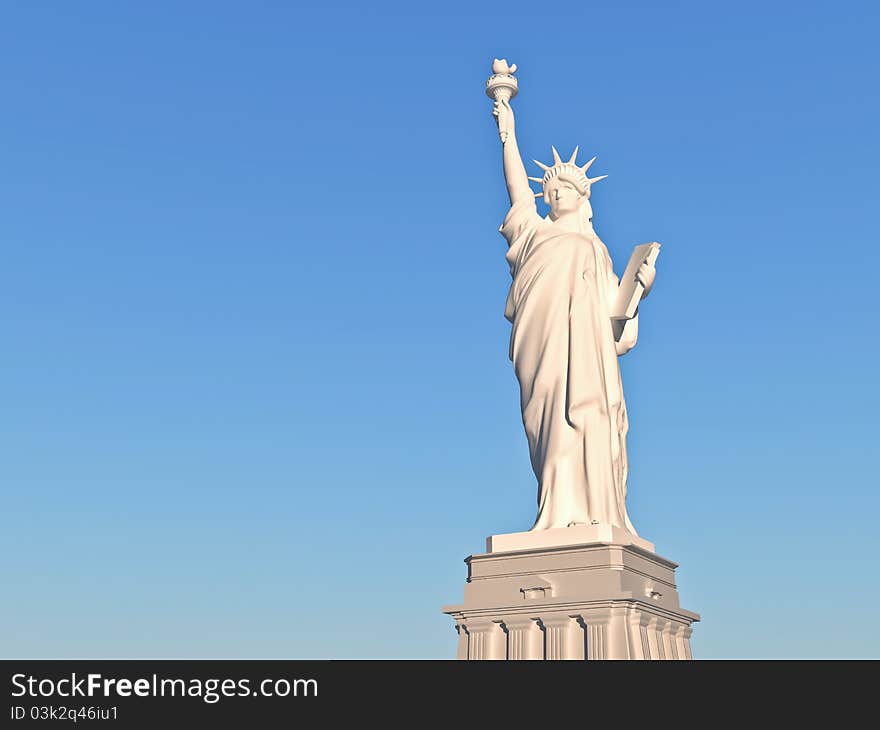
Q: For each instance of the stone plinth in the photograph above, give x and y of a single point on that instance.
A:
(557, 537)
(581, 600)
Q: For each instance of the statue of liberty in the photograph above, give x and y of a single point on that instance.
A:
(563, 343)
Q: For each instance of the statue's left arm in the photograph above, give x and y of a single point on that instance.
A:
(627, 334)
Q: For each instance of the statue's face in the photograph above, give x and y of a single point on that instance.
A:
(562, 197)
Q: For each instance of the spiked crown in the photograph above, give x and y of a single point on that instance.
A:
(568, 171)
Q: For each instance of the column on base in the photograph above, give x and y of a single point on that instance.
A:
(606, 631)
(648, 635)
(485, 639)
(661, 628)
(684, 642)
(635, 645)
(668, 641)
(595, 625)
(563, 637)
(525, 639)
(617, 642)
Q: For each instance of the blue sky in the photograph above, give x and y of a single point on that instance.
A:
(254, 389)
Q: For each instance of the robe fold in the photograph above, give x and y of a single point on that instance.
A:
(564, 357)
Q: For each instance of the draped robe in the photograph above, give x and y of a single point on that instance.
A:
(565, 359)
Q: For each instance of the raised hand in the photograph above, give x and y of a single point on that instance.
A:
(503, 113)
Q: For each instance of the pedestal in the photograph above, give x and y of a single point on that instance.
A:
(587, 592)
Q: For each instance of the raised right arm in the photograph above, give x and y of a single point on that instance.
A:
(514, 171)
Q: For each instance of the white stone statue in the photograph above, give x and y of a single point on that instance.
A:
(569, 328)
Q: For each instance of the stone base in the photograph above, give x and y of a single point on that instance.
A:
(556, 537)
(588, 600)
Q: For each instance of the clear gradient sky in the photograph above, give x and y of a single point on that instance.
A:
(255, 398)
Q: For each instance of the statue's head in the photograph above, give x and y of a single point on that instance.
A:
(566, 187)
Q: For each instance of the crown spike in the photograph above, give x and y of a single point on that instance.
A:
(539, 195)
(587, 166)
(557, 160)
(574, 155)
(596, 179)
(536, 179)
(541, 165)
